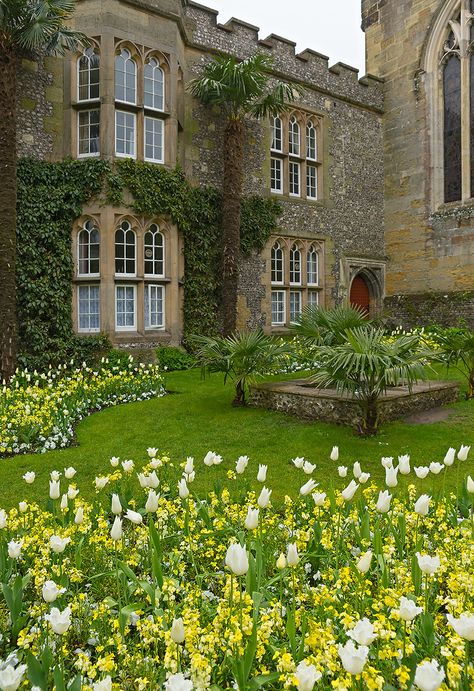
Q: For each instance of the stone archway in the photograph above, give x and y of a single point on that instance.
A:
(366, 290)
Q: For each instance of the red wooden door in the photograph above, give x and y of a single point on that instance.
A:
(360, 295)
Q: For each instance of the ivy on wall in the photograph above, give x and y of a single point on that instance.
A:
(52, 195)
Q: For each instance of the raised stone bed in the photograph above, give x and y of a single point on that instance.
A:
(299, 398)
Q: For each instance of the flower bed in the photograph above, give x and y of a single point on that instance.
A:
(38, 411)
(151, 587)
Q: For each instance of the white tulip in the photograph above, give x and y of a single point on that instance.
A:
(114, 461)
(29, 477)
(450, 457)
(319, 498)
(134, 517)
(422, 471)
(60, 621)
(350, 490)
(363, 565)
(469, 485)
(72, 492)
(422, 505)
(63, 504)
(292, 556)
(363, 632)
(183, 489)
(436, 467)
(14, 549)
(428, 565)
(58, 544)
(152, 452)
(429, 676)
(383, 502)
(307, 676)
(116, 505)
(51, 592)
(404, 465)
(353, 659)
(79, 516)
(103, 684)
(281, 562)
(241, 465)
(236, 559)
(23, 507)
(152, 501)
(101, 482)
(251, 521)
(463, 452)
(178, 682)
(189, 467)
(217, 459)
(69, 472)
(209, 458)
(298, 462)
(55, 475)
(391, 477)
(11, 677)
(387, 462)
(357, 470)
(342, 471)
(464, 626)
(54, 489)
(116, 531)
(264, 497)
(128, 466)
(308, 487)
(308, 467)
(156, 463)
(3, 518)
(363, 478)
(143, 480)
(153, 480)
(408, 609)
(334, 455)
(177, 631)
(190, 477)
(262, 473)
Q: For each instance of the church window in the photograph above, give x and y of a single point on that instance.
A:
(88, 250)
(125, 77)
(88, 76)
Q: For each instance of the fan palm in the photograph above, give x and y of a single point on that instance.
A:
(457, 350)
(243, 358)
(26, 26)
(366, 364)
(320, 326)
(239, 89)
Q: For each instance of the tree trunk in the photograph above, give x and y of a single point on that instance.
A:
(470, 386)
(371, 421)
(232, 192)
(239, 399)
(8, 186)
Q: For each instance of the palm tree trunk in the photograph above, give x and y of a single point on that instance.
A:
(8, 316)
(470, 386)
(370, 424)
(232, 192)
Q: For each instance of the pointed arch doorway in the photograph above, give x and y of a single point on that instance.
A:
(360, 294)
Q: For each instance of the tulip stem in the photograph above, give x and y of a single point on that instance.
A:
(427, 596)
(404, 639)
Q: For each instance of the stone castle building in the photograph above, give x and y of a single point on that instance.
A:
(125, 96)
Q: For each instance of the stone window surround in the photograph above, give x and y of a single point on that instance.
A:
(303, 117)
(107, 280)
(304, 242)
(372, 271)
(107, 96)
(431, 72)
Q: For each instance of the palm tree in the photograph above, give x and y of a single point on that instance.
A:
(366, 364)
(457, 350)
(26, 27)
(320, 326)
(243, 358)
(240, 89)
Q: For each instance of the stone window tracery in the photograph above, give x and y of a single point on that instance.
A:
(125, 250)
(88, 250)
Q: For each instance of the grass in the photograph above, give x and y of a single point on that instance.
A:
(197, 416)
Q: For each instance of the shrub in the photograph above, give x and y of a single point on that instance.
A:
(173, 359)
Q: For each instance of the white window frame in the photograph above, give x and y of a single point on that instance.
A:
(312, 250)
(293, 272)
(310, 126)
(274, 128)
(126, 328)
(276, 247)
(80, 287)
(147, 158)
(294, 137)
(157, 67)
(129, 229)
(147, 299)
(87, 55)
(282, 293)
(153, 247)
(316, 294)
(273, 189)
(294, 317)
(120, 100)
(291, 178)
(88, 154)
(132, 115)
(309, 188)
(79, 245)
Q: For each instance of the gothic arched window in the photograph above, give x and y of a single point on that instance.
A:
(88, 250)
(125, 77)
(295, 265)
(125, 250)
(88, 75)
(154, 85)
(154, 252)
(277, 263)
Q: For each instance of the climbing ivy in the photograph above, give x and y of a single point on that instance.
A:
(52, 195)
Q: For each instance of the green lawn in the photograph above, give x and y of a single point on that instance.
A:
(197, 417)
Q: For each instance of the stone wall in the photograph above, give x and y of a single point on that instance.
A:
(425, 309)
(430, 245)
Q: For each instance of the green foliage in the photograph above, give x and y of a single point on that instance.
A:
(243, 358)
(366, 364)
(259, 218)
(457, 350)
(320, 326)
(50, 197)
(174, 359)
